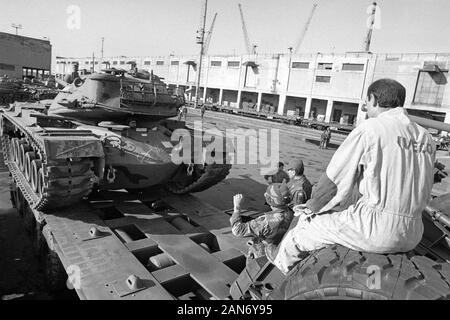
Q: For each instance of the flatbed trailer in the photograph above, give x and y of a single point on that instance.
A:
(119, 245)
(289, 119)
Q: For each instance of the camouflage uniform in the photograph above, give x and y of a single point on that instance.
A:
(267, 228)
(300, 189)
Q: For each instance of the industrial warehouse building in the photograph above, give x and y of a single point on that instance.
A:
(324, 87)
(23, 56)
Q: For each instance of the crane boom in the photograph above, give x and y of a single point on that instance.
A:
(200, 41)
(208, 37)
(248, 46)
(302, 35)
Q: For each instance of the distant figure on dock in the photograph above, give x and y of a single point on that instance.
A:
(325, 138)
(182, 111)
(202, 110)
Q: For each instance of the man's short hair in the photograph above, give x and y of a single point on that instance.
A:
(388, 93)
(280, 164)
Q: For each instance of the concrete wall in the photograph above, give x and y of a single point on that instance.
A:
(23, 52)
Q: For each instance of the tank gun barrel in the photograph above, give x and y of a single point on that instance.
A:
(438, 215)
(428, 123)
(61, 82)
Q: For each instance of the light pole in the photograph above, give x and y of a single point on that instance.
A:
(17, 27)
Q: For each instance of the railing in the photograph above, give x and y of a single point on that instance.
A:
(141, 93)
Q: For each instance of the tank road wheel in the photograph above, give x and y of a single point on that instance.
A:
(24, 148)
(36, 165)
(29, 157)
(14, 148)
(16, 145)
(40, 182)
(336, 272)
(10, 145)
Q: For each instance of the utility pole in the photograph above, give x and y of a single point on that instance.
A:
(368, 38)
(93, 62)
(103, 41)
(17, 27)
(200, 41)
(289, 76)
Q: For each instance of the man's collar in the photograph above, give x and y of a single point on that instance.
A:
(393, 111)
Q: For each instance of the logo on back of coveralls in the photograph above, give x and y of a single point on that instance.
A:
(416, 146)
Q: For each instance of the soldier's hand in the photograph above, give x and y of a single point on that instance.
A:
(237, 199)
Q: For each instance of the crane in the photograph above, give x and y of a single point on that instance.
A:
(248, 46)
(371, 23)
(201, 42)
(208, 36)
(302, 35)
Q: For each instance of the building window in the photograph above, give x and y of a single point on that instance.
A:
(86, 62)
(325, 79)
(96, 62)
(430, 87)
(115, 63)
(353, 66)
(325, 66)
(122, 62)
(174, 63)
(7, 67)
(159, 63)
(233, 64)
(300, 65)
(216, 63)
(147, 63)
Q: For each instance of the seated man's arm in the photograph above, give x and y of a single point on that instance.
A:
(342, 173)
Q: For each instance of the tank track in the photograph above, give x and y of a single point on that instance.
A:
(210, 176)
(64, 182)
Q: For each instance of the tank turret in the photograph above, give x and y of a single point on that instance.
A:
(117, 95)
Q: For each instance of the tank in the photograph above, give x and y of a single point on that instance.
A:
(12, 90)
(106, 131)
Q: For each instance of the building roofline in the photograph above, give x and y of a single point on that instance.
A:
(20, 36)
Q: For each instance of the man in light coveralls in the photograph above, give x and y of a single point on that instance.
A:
(374, 189)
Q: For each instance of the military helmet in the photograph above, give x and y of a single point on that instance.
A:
(277, 195)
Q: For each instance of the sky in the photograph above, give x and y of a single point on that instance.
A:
(156, 27)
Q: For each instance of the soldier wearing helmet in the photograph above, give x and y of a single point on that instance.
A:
(267, 228)
(299, 186)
